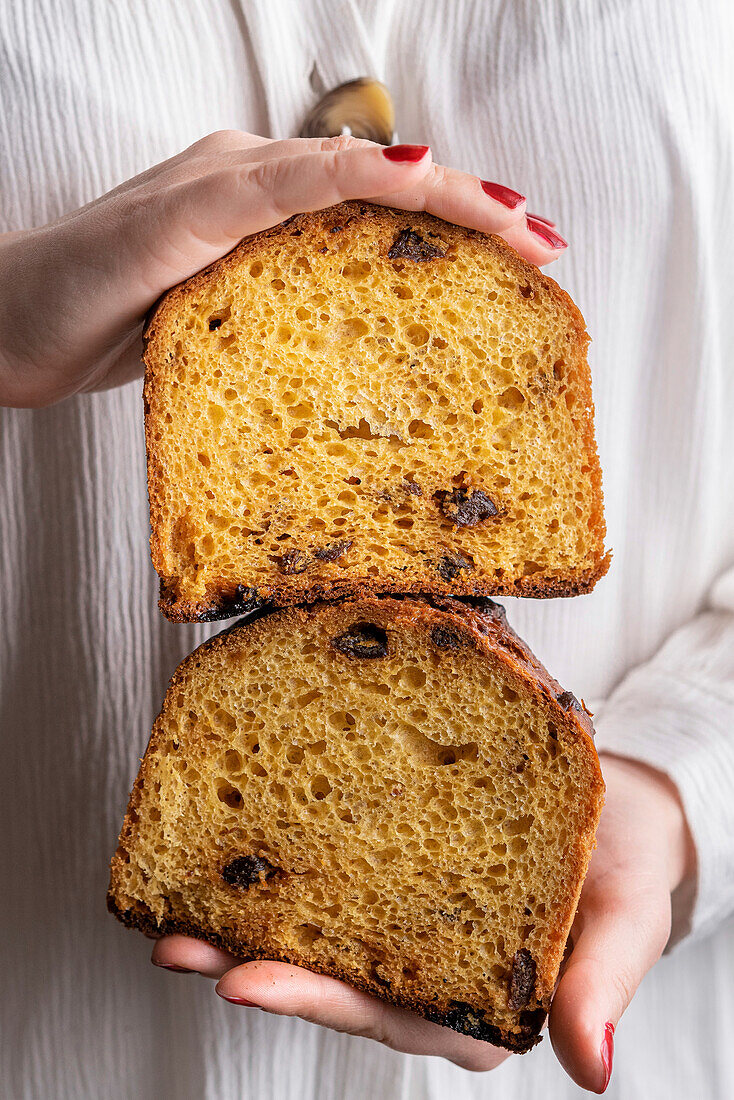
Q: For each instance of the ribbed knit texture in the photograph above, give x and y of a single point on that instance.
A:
(615, 119)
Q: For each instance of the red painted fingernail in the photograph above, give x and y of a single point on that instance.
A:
(502, 194)
(540, 218)
(607, 1052)
(546, 234)
(172, 966)
(236, 1000)
(405, 154)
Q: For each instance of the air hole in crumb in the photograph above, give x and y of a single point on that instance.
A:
(511, 398)
(229, 795)
(320, 787)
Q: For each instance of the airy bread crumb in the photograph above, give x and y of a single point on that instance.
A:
(391, 792)
(364, 400)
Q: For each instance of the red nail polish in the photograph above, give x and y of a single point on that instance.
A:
(607, 1052)
(546, 234)
(236, 1000)
(405, 154)
(172, 966)
(502, 194)
(540, 218)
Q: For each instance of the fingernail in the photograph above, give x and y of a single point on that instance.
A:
(540, 218)
(172, 966)
(607, 1052)
(235, 1000)
(502, 194)
(405, 154)
(546, 234)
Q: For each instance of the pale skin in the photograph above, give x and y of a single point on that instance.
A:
(90, 278)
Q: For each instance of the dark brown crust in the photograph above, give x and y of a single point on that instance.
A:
(223, 606)
(457, 1018)
(484, 627)
(218, 605)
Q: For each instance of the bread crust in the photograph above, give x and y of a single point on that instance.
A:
(222, 603)
(455, 1018)
(483, 626)
(226, 604)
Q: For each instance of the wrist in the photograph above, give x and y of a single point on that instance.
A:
(23, 382)
(641, 781)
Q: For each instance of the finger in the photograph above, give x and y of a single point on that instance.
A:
(466, 200)
(228, 149)
(536, 242)
(225, 153)
(620, 932)
(274, 190)
(292, 991)
(540, 218)
(185, 954)
(218, 152)
(445, 192)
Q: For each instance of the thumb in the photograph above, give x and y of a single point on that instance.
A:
(619, 933)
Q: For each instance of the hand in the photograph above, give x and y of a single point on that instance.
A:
(644, 851)
(74, 294)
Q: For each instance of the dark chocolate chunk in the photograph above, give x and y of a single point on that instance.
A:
(451, 565)
(246, 870)
(522, 979)
(243, 601)
(568, 701)
(334, 551)
(293, 561)
(445, 639)
(362, 640)
(409, 245)
(533, 1019)
(466, 509)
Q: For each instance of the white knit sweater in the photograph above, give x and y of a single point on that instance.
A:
(615, 118)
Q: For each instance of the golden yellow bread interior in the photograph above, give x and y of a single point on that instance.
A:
(391, 792)
(365, 400)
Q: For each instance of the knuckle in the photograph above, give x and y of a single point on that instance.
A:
(340, 143)
(438, 177)
(624, 984)
(223, 141)
(266, 177)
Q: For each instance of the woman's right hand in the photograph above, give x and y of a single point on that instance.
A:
(74, 294)
(644, 852)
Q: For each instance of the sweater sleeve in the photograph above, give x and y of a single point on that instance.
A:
(676, 713)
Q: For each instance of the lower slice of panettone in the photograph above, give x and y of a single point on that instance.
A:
(390, 791)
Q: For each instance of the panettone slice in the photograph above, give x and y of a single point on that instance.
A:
(362, 401)
(391, 792)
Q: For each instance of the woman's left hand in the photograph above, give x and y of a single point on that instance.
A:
(644, 850)
(74, 294)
